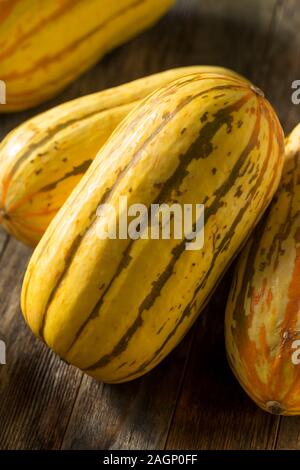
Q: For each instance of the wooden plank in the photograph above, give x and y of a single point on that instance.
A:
(135, 415)
(3, 241)
(289, 433)
(247, 427)
(281, 64)
(37, 390)
(213, 412)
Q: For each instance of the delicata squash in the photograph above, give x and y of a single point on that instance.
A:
(116, 307)
(46, 45)
(263, 311)
(43, 159)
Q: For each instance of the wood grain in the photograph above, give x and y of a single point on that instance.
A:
(37, 390)
(213, 412)
(243, 425)
(191, 400)
(136, 415)
(281, 65)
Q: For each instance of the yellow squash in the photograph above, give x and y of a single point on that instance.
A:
(42, 160)
(45, 45)
(263, 311)
(116, 307)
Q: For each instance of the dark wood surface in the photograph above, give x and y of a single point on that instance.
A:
(191, 400)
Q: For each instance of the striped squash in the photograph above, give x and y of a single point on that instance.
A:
(42, 160)
(116, 307)
(263, 311)
(44, 47)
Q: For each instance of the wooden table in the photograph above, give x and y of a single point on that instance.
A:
(192, 400)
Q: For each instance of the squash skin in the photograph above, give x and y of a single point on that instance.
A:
(42, 50)
(262, 316)
(205, 138)
(43, 159)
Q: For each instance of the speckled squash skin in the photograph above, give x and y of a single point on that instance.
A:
(263, 311)
(43, 159)
(116, 307)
